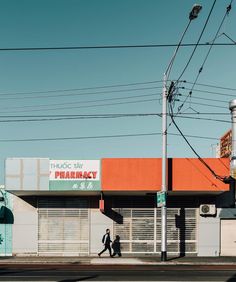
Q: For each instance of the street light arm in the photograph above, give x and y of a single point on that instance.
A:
(192, 15)
(168, 70)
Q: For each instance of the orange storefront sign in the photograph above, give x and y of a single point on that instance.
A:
(144, 174)
(189, 174)
(131, 174)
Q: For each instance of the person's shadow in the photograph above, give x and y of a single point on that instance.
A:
(180, 223)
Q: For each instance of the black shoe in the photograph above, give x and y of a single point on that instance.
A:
(99, 255)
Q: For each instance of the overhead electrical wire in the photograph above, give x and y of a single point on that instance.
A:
(79, 94)
(211, 86)
(205, 119)
(198, 41)
(105, 115)
(206, 57)
(79, 107)
(59, 48)
(82, 88)
(228, 9)
(102, 100)
(100, 137)
(203, 104)
(81, 117)
(102, 105)
(170, 101)
(74, 117)
(81, 102)
(212, 92)
(221, 178)
(229, 37)
(191, 56)
(206, 99)
(113, 86)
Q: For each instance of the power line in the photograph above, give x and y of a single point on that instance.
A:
(211, 86)
(205, 119)
(201, 104)
(211, 45)
(201, 113)
(103, 105)
(106, 115)
(212, 92)
(64, 118)
(110, 86)
(209, 50)
(109, 47)
(82, 102)
(198, 41)
(191, 56)
(36, 119)
(80, 94)
(229, 37)
(79, 107)
(82, 89)
(102, 100)
(100, 137)
(191, 147)
(205, 99)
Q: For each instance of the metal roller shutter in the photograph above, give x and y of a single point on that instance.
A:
(140, 231)
(63, 227)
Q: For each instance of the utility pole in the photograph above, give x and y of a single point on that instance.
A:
(164, 188)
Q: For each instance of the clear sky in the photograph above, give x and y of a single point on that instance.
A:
(58, 23)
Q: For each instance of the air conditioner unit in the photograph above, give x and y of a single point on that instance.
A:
(207, 209)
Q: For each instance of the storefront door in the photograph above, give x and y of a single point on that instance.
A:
(228, 237)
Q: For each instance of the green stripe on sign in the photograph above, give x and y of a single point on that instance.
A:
(74, 185)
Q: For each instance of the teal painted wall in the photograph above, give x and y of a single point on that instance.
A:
(6, 221)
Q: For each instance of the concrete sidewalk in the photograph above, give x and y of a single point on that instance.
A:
(125, 260)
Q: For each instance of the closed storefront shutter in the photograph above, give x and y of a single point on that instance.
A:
(63, 227)
(140, 231)
(181, 231)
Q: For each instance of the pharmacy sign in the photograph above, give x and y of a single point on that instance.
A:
(82, 175)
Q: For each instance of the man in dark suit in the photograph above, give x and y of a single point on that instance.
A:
(106, 240)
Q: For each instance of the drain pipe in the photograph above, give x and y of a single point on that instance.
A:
(232, 107)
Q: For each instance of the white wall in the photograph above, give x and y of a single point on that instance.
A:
(25, 228)
(208, 236)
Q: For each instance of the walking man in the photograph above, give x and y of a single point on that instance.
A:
(106, 240)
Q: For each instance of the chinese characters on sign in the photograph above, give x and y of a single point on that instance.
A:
(226, 144)
(83, 175)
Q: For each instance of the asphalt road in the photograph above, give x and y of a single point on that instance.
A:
(73, 273)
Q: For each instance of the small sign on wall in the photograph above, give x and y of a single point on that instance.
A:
(161, 199)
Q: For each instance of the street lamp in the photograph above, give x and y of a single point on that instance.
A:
(192, 15)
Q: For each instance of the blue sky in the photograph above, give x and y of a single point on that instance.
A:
(58, 23)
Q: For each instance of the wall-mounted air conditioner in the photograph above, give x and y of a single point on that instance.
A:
(207, 209)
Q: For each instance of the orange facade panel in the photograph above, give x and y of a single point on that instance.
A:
(144, 174)
(190, 174)
(131, 174)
